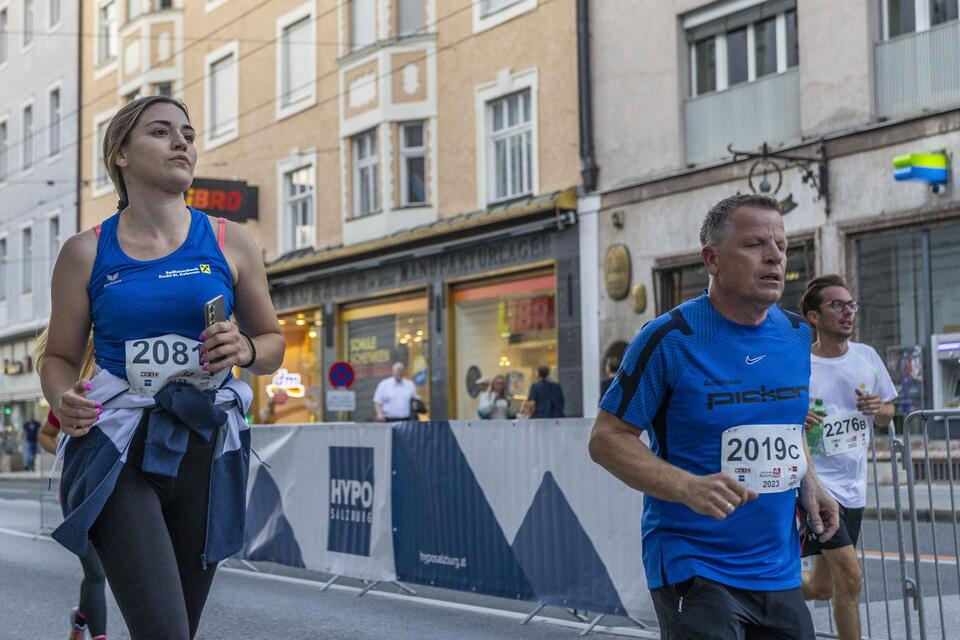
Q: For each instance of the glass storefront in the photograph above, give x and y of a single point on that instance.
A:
(506, 327)
(908, 284)
(374, 335)
(294, 395)
(685, 282)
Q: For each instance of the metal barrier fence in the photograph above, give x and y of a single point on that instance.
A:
(897, 515)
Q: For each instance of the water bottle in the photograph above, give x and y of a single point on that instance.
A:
(815, 433)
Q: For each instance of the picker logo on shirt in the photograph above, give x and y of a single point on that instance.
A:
(205, 268)
(751, 396)
(351, 500)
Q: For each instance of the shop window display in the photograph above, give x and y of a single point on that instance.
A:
(294, 395)
(377, 335)
(504, 327)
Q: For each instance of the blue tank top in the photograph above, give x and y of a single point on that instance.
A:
(132, 299)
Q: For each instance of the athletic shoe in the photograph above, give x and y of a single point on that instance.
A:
(78, 625)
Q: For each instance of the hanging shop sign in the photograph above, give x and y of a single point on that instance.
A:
(931, 168)
(231, 199)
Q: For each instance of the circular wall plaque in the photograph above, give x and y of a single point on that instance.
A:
(616, 271)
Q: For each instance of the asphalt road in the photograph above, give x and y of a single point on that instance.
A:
(39, 582)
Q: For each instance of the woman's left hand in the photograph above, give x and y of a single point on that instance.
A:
(223, 347)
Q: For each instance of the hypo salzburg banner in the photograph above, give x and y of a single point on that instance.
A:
(516, 509)
(324, 502)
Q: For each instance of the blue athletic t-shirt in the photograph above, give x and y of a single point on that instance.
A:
(687, 377)
(132, 299)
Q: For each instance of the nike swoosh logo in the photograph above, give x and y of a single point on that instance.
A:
(750, 360)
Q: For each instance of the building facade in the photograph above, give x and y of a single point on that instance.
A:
(835, 91)
(38, 185)
(405, 165)
(457, 255)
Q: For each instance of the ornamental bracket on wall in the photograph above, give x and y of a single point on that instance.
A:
(768, 163)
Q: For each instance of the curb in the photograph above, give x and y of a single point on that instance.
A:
(24, 478)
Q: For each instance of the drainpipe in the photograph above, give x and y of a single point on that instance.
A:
(80, 113)
(588, 164)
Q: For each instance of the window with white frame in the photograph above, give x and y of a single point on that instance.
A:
(366, 190)
(3, 269)
(743, 47)
(488, 7)
(298, 207)
(4, 34)
(54, 12)
(164, 4)
(27, 137)
(163, 89)
(133, 95)
(413, 167)
(134, 9)
(107, 31)
(222, 94)
(907, 16)
(53, 238)
(26, 259)
(27, 22)
(54, 126)
(298, 62)
(510, 146)
(410, 17)
(363, 23)
(4, 166)
(101, 179)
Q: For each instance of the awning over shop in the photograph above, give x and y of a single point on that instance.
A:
(434, 233)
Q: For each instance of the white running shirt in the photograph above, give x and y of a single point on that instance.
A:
(835, 380)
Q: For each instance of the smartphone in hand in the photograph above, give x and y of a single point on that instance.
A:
(214, 310)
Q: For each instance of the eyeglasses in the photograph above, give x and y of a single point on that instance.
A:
(838, 305)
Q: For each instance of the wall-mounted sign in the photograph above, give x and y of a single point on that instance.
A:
(231, 199)
(638, 297)
(341, 400)
(616, 271)
(288, 382)
(17, 367)
(932, 168)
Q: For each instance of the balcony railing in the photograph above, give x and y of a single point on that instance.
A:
(747, 115)
(919, 72)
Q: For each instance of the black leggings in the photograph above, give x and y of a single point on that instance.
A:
(93, 603)
(150, 536)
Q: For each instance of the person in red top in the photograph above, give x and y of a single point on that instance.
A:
(91, 613)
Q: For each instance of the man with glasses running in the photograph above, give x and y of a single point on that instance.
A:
(857, 393)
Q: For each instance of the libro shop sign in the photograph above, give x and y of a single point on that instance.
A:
(231, 199)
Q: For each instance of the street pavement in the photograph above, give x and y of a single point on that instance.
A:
(39, 585)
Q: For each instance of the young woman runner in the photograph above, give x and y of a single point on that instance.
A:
(155, 466)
